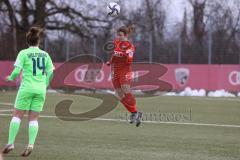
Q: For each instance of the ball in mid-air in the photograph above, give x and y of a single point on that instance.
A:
(113, 9)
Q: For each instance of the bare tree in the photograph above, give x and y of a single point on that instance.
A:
(51, 15)
(226, 30)
(184, 28)
(197, 51)
(198, 18)
(151, 24)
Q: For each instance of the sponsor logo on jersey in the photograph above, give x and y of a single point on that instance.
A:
(118, 54)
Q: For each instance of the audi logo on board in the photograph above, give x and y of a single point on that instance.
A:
(234, 78)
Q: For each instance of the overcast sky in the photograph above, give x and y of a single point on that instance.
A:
(175, 9)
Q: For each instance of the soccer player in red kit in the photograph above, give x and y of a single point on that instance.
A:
(120, 62)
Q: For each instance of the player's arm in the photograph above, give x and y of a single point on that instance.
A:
(49, 70)
(49, 78)
(129, 54)
(16, 71)
(18, 65)
(109, 62)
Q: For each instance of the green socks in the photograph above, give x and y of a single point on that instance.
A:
(13, 129)
(33, 131)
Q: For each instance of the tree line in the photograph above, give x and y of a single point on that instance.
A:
(208, 29)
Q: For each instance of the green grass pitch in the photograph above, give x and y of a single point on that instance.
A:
(190, 137)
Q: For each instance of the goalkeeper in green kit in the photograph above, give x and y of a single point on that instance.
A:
(37, 69)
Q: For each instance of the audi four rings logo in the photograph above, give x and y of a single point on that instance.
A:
(234, 78)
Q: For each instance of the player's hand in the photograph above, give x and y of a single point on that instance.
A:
(108, 63)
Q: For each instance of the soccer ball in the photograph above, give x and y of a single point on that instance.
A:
(113, 9)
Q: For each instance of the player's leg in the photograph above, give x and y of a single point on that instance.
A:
(129, 99)
(32, 132)
(35, 109)
(13, 130)
(122, 96)
(22, 103)
(119, 93)
(125, 84)
(129, 102)
(117, 87)
(121, 82)
(33, 127)
(1, 158)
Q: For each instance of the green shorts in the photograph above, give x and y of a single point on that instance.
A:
(29, 101)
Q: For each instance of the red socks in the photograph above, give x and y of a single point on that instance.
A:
(129, 102)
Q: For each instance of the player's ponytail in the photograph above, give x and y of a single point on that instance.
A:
(33, 36)
(126, 29)
(130, 29)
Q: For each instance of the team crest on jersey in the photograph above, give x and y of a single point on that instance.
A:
(182, 75)
(124, 45)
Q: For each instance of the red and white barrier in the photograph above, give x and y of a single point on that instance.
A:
(208, 77)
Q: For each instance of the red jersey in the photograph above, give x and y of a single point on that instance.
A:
(122, 55)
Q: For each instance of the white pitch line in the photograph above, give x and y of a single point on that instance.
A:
(216, 99)
(7, 104)
(6, 110)
(153, 122)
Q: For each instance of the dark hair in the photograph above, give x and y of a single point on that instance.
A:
(33, 36)
(126, 29)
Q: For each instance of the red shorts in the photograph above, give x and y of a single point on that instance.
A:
(121, 77)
